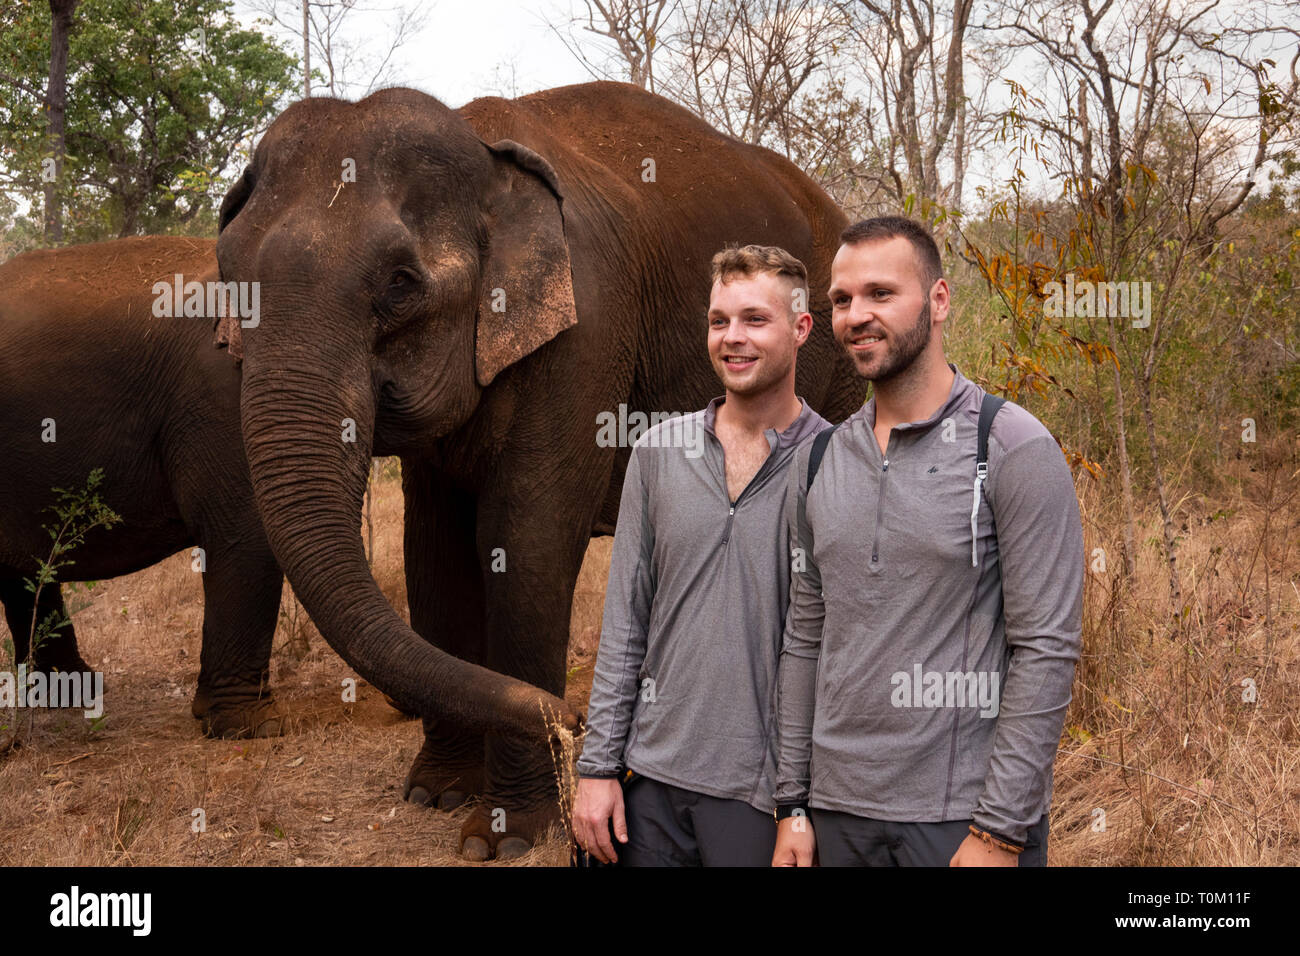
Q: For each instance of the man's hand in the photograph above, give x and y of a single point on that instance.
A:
(975, 852)
(796, 845)
(596, 803)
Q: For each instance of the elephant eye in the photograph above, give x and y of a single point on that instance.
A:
(403, 282)
(401, 291)
(399, 297)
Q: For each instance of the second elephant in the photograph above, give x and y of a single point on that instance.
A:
(91, 378)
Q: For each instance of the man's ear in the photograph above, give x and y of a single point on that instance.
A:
(527, 296)
(941, 296)
(803, 327)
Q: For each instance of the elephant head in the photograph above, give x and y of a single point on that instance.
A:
(402, 263)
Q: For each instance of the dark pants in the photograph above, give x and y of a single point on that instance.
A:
(669, 826)
(844, 839)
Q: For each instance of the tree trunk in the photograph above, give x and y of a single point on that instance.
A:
(1085, 149)
(959, 146)
(56, 104)
(1144, 395)
(306, 52)
(1125, 477)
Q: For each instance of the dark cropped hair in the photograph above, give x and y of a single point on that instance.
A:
(929, 265)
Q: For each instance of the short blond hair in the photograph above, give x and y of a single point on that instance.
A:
(753, 260)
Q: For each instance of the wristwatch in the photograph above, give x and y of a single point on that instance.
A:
(784, 810)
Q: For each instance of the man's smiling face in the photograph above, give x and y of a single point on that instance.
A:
(753, 332)
(880, 306)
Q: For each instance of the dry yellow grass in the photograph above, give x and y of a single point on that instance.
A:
(1158, 738)
(327, 792)
(1162, 738)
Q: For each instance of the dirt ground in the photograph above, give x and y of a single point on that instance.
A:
(125, 790)
(1163, 761)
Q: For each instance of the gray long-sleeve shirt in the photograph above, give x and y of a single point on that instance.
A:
(685, 683)
(913, 686)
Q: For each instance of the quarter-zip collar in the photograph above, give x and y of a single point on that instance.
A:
(805, 425)
(958, 395)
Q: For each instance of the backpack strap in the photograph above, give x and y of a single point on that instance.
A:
(819, 443)
(988, 409)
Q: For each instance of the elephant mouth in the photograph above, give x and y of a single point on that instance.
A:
(401, 423)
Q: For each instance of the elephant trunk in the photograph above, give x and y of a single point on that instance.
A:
(308, 439)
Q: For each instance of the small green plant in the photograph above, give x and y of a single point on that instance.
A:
(74, 598)
(76, 514)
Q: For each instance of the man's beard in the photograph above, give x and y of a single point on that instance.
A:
(902, 353)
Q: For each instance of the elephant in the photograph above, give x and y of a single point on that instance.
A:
(90, 378)
(472, 290)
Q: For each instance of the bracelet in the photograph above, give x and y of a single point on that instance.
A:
(991, 840)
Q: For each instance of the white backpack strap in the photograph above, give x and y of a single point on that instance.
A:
(988, 408)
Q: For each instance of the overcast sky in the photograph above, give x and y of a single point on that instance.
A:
(468, 48)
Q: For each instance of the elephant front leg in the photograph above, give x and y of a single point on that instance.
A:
(529, 577)
(444, 589)
(519, 804)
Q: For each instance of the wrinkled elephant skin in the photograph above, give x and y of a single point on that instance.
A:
(470, 290)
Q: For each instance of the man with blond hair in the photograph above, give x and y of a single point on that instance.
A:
(680, 748)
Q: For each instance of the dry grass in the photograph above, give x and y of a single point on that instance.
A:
(1158, 735)
(328, 792)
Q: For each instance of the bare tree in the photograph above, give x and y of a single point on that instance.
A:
(867, 96)
(743, 65)
(772, 72)
(352, 66)
(617, 39)
(739, 64)
(1124, 61)
(922, 86)
(1160, 119)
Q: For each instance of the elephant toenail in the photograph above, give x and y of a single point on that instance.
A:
(451, 799)
(475, 849)
(512, 848)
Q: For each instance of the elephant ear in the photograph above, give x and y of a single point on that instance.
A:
(227, 326)
(234, 199)
(527, 296)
